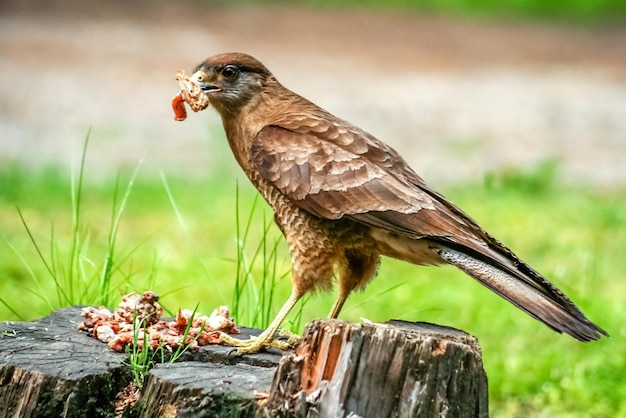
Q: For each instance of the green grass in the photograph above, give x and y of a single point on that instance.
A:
(179, 238)
(586, 12)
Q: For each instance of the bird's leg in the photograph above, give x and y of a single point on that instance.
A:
(266, 339)
(357, 269)
(341, 299)
(292, 337)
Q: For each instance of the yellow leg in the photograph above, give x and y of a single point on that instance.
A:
(292, 338)
(334, 311)
(266, 339)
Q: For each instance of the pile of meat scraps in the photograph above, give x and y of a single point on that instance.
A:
(138, 317)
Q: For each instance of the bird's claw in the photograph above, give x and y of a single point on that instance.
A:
(292, 338)
(256, 344)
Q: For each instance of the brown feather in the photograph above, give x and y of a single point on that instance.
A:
(342, 197)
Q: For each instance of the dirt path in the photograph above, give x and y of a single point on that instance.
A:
(456, 98)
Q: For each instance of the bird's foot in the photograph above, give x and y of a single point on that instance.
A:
(292, 337)
(263, 341)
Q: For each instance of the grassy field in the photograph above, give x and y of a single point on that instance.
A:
(179, 238)
(588, 12)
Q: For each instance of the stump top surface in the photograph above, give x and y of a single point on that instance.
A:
(437, 331)
(53, 346)
(241, 379)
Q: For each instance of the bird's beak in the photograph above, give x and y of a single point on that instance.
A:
(201, 79)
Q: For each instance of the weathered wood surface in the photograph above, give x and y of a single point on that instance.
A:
(49, 369)
(397, 369)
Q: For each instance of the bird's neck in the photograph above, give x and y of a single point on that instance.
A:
(244, 124)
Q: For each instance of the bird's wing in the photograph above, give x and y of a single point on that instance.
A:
(341, 171)
(332, 170)
(336, 171)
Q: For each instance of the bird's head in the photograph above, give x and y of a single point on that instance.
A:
(231, 80)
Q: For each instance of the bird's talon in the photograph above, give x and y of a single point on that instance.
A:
(292, 338)
(256, 344)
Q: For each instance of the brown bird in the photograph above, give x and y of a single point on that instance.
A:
(343, 199)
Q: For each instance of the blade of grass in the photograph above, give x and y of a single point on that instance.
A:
(183, 225)
(139, 357)
(45, 262)
(374, 296)
(253, 297)
(116, 216)
(183, 347)
(295, 323)
(76, 191)
(13, 311)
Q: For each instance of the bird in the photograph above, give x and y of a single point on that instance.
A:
(343, 199)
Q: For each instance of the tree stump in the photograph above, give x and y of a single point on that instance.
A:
(49, 369)
(193, 389)
(397, 369)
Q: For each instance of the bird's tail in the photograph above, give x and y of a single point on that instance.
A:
(528, 290)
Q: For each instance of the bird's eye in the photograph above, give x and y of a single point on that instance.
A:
(230, 71)
(200, 77)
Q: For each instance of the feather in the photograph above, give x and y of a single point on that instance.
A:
(542, 302)
(343, 198)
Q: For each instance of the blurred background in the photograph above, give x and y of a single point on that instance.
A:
(472, 88)
(515, 110)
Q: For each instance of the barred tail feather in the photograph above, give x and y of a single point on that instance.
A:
(536, 297)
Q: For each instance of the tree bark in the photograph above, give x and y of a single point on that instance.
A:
(397, 369)
(192, 389)
(49, 369)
